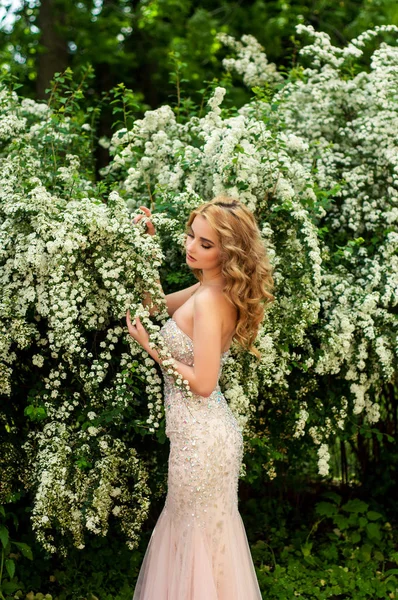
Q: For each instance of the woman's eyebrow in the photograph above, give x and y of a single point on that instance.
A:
(202, 238)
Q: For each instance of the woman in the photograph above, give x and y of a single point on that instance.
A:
(199, 549)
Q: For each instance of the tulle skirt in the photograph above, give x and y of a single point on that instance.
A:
(190, 562)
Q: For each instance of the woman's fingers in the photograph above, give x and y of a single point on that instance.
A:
(149, 224)
(147, 212)
(130, 324)
(137, 330)
(151, 228)
(135, 321)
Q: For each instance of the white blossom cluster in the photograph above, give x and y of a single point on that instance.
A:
(301, 422)
(323, 459)
(116, 484)
(71, 266)
(250, 61)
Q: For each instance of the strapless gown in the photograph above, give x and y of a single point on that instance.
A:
(198, 549)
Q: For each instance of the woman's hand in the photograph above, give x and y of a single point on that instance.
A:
(137, 331)
(150, 225)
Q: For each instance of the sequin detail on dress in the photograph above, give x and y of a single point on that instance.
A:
(198, 549)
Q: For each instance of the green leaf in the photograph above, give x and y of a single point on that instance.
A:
(378, 555)
(373, 531)
(373, 515)
(3, 535)
(355, 506)
(41, 413)
(332, 495)
(365, 552)
(362, 521)
(9, 587)
(326, 509)
(341, 521)
(306, 549)
(25, 549)
(10, 566)
(394, 557)
(355, 537)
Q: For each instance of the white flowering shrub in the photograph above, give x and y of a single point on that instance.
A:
(241, 155)
(250, 61)
(343, 120)
(352, 141)
(314, 156)
(74, 385)
(317, 165)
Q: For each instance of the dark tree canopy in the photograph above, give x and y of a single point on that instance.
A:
(139, 43)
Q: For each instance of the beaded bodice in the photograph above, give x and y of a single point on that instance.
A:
(181, 348)
(206, 441)
(172, 332)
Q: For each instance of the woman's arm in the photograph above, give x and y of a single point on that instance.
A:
(173, 300)
(184, 370)
(177, 299)
(203, 375)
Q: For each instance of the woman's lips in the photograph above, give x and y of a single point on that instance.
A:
(190, 258)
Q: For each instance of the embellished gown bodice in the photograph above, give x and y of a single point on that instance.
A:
(206, 442)
(198, 549)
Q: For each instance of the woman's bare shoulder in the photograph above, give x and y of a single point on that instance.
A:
(215, 299)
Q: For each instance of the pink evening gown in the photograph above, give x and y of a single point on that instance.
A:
(198, 549)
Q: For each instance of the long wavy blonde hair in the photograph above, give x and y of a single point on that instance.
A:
(244, 264)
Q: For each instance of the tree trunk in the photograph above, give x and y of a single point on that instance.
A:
(54, 55)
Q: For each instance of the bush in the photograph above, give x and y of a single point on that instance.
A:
(314, 156)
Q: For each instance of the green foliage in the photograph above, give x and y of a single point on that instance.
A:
(318, 552)
(124, 103)
(106, 570)
(136, 42)
(347, 552)
(10, 552)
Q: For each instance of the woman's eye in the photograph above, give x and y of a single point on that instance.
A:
(206, 247)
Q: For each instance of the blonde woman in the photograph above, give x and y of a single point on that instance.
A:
(199, 549)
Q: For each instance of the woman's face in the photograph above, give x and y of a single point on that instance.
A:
(202, 245)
